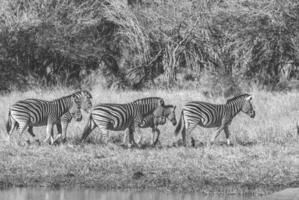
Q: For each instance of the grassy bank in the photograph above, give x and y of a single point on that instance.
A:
(265, 155)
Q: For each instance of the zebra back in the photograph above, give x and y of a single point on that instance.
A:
(147, 106)
(37, 111)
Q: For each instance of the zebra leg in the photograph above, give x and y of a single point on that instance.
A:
(186, 134)
(139, 134)
(30, 131)
(185, 131)
(22, 128)
(61, 128)
(227, 134)
(153, 135)
(90, 125)
(49, 133)
(157, 138)
(64, 128)
(216, 135)
(105, 135)
(14, 124)
(125, 138)
(132, 142)
(59, 132)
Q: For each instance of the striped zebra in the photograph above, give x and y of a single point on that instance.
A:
(209, 115)
(35, 112)
(118, 117)
(158, 117)
(66, 118)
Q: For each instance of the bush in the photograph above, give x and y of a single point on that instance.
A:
(149, 44)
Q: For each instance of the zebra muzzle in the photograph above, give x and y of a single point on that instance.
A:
(252, 114)
(174, 122)
(79, 118)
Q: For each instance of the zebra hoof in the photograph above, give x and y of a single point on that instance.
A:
(192, 142)
(158, 145)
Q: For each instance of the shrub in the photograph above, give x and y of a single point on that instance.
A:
(148, 44)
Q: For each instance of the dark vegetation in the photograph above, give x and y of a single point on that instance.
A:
(219, 44)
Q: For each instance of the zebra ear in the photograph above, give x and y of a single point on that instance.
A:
(86, 93)
(161, 102)
(75, 99)
(174, 108)
(249, 98)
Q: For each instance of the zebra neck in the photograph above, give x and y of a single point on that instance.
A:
(234, 107)
(136, 112)
(63, 105)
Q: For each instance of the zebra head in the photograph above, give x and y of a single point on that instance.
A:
(75, 109)
(247, 106)
(167, 111)
(84, 97)
(172, 116)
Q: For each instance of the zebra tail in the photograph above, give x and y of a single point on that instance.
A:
(8, 122)
(179, 126)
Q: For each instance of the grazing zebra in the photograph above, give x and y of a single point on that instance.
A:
(158, 117)
(209, 115)
(118, 117)
(62, 125)
(35, 112)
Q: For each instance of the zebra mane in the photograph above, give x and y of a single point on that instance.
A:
(168, 106)
(237, 97)
(147, 100)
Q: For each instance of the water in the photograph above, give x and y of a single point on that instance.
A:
(93, 194)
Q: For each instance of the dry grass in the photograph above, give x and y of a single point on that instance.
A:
(265, 155)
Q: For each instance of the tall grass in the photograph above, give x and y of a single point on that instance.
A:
(264, 156)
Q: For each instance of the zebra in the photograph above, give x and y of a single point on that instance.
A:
(158, 117)
(66, 118)
(209, 115)
(118, 117)
(36, 112)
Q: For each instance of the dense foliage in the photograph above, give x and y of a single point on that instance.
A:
(178, 43)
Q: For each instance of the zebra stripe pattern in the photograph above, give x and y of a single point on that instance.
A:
(117, 117)
(159, 116)
(209, 115)
(86, 104)
(35, 112)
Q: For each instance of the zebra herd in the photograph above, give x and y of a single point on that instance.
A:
(142, 113)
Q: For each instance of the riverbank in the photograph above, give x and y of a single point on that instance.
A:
(264, 157)
(236, 169)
